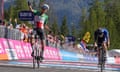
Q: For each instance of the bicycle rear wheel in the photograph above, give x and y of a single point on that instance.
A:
(104, 58)
(38, 58)
(35, 57)
(101, 60)
(102, 67)
(33, 62)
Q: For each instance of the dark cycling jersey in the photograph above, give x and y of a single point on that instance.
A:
(102, 39)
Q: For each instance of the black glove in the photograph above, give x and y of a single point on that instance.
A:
(29, 3)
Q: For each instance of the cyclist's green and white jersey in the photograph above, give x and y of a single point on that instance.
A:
(40, 20)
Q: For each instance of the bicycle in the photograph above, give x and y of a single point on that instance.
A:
(36, 54)
(101, 58)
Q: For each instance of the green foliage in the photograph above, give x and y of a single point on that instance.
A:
(73, 30)
(103, 14)
(6, 15)
(112, 9)
(55, 28)
(14, 9)
(64, 27)
(11, 11)
(42, 0)
(19, 6)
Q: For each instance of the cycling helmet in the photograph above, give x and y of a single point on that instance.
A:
(100, 31)
(45, 6)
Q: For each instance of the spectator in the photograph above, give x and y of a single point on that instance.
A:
(10, 26)
(10, 21)
(18, 26)
(23, 29)
(31, 38)
(4, 23)
(15, 25)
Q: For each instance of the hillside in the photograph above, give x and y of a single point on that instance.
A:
(59, 8)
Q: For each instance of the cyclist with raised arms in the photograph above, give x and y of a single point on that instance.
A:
(41, 21)
(101, 37)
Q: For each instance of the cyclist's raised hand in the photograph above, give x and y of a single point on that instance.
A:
(29, 3)
(30, 7)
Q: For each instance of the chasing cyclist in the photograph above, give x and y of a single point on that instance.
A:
(41, 21)
(101, 37)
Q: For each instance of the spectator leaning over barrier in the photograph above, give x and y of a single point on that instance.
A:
(56, 40)
(10, 26)
(23, 29)
(18, 26)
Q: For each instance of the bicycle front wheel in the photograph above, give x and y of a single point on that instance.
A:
(101, 60)
(33, 62)
(38, 57)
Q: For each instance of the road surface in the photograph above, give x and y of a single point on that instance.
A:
(23, 66)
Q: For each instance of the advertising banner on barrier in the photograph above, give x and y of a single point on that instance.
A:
(52, 53)
(27, 50)
(89, 58)
(14, 49)
(69, 56)
(7, 48)
(22, 49)
(11, 50)
(3, 54)
(18, 49)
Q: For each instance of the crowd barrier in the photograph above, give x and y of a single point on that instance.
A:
(15, 49)
(14, 34)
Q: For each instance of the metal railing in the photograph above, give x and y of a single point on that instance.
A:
(14, 34)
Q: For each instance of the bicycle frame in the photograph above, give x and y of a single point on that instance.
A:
(101, 58)
(36, 55)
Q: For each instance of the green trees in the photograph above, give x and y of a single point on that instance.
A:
(55, 28)
(104, 14)
(20, 5)
(73, 30)
(64, 27)
(14, 9)
(11, 11)
(112, 9)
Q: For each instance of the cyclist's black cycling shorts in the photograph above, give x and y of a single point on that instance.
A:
(40, 33)
(99, 45)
